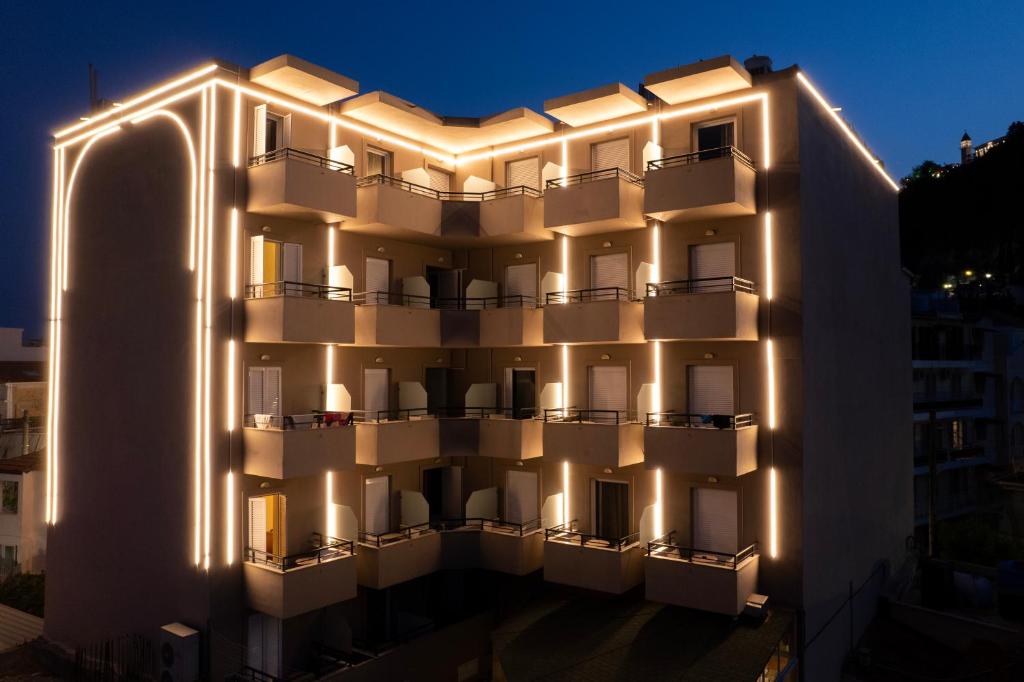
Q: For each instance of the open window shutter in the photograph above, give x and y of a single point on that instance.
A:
(611, 270)
(714, 520)
(712, 260)
(272, 390)
(256, 263)
(521, 280)
(608, 389)
(258, 523)
(525, 172)
(439, 180)
(292, 266)
(710, 389)
(506, 394)
(259, 130)
(255, 392)
(378, 275)
(610, 154)
(286, 133)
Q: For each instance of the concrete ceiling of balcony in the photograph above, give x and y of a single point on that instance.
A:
(302, 80)
(597, 104)
(701, 79)
(453, 134)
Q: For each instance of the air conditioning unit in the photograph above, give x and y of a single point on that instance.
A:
(179, 653)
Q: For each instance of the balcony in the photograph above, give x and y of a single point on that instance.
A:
(387, 559)
(512, 215)
(395, 436)
(296, 184)
(297, 445)
(493, 545)
(458, 430)
(701, 445)
(391, 207)
(594, 202)
(385, 318)
(505, 437)
(600, 438)
(699, 579)
(712, 309)
(601, 315)
(713, 183)
(513, 321)
(578, 559)
(287, 586)
(292, 312)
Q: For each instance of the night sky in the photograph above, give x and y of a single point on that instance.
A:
(910, 76)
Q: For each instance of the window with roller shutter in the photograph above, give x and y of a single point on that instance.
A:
(610, 272)
(710, 389)
(610, 154)
(712, 262)
(439, 180)
(378, 278)
(608, 391)
(715, 526)
(264, 390)
(521, 284)
(525, 172)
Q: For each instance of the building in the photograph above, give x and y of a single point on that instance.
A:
(648, 342)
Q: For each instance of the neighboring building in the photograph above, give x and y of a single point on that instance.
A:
(968, 152)
(374, 365)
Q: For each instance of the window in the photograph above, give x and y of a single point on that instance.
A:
(609, 276)
(957, 427)
(609, 387)
(378, 278)
(710, 389)
(376, 385)
(611, 509)
(440, 180)
(610, 154)
(264, 391)
(714, 135)
(275, 268)
(9, 497)
(523, 172)
(521, 284)
(267, 526)
(9, 555)
(711, 263)
(378, 162)
(270, 131)
(715, 520)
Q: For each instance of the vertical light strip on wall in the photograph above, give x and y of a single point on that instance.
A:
(565, 380)
(766, 133)
(207, 409)
(773, 521)
(769, 267)
(236, 130)
(773, 512)
(659, 505)
(332, 531)
(52, 384)
(229, 501)
(233, 274)
(565, 161)
(565, 495)
(229, 549)
(198, 452)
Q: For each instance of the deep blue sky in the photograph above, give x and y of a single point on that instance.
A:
(911, 76)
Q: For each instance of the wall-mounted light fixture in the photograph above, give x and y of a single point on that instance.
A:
(264, 357)
(709, 356)
(606, 245)
(378, 360)
(518, 358)
(605, 356)
(380, 249)
(710, 233)
(518, 256)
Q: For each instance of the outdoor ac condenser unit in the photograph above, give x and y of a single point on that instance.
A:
(179, 653)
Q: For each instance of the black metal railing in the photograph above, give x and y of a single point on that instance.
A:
(589, 295)
(22, 423)
(490, 525)
(702, 155)
(316, 419)
(665, 547)
(323, 549)
(392, 298)
(300, 289)
(685, 420)
(517, 413)
(595, 176)
(575, 414)
(704, 285)
(442, 195)
(400, 535)
(569, 533)
(305, 157)
(384, 416)
(463, 412)
(443, 302)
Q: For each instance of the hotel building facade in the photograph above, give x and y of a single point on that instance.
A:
(311, 346)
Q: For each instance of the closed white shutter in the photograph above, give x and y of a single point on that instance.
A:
(255, 396)
(525, 172)
(521, 280)
(439, 180)
(375, 391)
(258, 523)
(376, 496)
(521, 502)
(714, 520)
(509, 387)
(713, 260)
(256, 265)
(710, 389)
(611, 270)
(292, 266)
(259, 130)
(608, 391)
(378, 275)
(610, 154)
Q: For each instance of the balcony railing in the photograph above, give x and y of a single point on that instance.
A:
(491, 525)
(317, 419)
(304, 157)
(463, 412)
(589, 295)
(686, 420)
(520, 413)
(383, 416)
(391, 537)
(392, 298)
(300, 289)
(443, 303)
(697, 157)
(574, 414)
(324, 549)
(703, 285)
(568, 533)
(665, 547)
(430, 192)
(595, 176)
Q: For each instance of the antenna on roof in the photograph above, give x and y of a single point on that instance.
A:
(96, 102)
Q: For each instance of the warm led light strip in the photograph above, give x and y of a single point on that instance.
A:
(565, 495)
(208, 293)
(58, 156)
(769, 269)
(332, 532)
(773, 521)
(770, 359)
(197, 454)
(187, 78)
(229, 501)
(874, 162)
(659, 513)
(565, 378)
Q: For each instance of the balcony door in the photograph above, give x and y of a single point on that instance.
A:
(440, 180)
(378, 162)
(710, 389)
(263, 392)
(610, 154)
(610, 509)
(377, 280)
(521, 498)
(608, 389)
(270, 131)
(714, 135)
(377, 505)
(609, 276)
(376, 385)
(710, 263)
(523, 173)
(272, 262)
(521, 284)
(715, 526)
(442, 489)
(267, 526)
